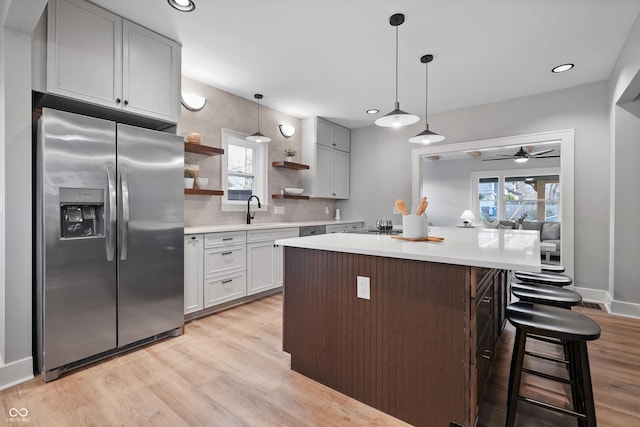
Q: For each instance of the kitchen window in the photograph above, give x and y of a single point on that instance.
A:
(244, 171)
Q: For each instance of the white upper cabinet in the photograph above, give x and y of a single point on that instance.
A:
(96, 56)
(325, 148)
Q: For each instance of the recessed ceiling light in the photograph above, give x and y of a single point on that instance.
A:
(373, 111)
(182, 5)
(562, 68)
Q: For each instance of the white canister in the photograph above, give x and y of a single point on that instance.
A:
(412, 226)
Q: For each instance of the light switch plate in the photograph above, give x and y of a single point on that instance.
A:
(364, 287)
(278, 210)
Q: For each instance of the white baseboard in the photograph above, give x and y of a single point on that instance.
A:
(15, 373)
(594, 295)
(626, 309)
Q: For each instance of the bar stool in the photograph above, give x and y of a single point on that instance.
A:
(546, 294)
(551, 268)
(574, 330)
(553, 279)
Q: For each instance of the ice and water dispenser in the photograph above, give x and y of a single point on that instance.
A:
(81, 212)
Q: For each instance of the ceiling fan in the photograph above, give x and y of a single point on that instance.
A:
(522, 156)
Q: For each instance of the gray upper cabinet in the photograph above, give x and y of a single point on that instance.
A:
(325, 148)
(96, 56)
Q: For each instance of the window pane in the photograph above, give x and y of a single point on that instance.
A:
(240, 159)
(533, 198)
(488, 199)
(239, 187)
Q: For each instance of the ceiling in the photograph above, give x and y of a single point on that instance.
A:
(335, 58)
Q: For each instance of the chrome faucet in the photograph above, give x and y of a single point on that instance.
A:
(249, 216)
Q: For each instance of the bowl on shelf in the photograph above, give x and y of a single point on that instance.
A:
(202, 182)
(293, 191)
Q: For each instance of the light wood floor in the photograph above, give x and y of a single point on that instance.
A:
(228, 370)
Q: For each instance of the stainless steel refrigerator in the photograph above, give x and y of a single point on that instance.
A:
(109, 249)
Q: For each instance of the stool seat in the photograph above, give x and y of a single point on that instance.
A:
(553, 279)
(545, 294)
(551, 268)
(552, 322)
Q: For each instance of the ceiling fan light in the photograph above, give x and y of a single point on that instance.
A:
(426, 137)
(521, 159)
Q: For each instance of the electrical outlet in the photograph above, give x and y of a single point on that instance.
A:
(364, 287)
(326, 210)
(278, 210)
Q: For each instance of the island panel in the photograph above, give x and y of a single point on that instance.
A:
(406, 351)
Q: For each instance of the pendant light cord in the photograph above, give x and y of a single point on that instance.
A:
(258, 115)
(426, 95)
(397, 65)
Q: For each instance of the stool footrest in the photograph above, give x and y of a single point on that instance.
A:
(545, 339)
(552, 407)
(547, 376)
(546, 357)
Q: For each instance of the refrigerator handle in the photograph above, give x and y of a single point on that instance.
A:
(111, 233)
(125, 213)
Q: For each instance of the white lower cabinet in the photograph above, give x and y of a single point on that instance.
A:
(224, 288)
(193, 273)
(222, 267)
(264, 258)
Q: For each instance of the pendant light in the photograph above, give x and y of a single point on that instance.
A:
(426, 136)
(258, 137)
(397, 117)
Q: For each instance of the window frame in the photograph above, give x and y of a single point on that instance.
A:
(260, 175)
(501, 175)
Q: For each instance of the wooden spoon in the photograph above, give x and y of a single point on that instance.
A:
(401, 206)
(422, 206)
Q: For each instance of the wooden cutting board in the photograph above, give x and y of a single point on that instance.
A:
(420, 239)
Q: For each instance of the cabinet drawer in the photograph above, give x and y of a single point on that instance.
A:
(271, 234)
(224, 288)
(223, 259)
(220, 239)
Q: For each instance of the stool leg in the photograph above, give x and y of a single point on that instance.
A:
(515, 374)
(585, 382)
(575, 378)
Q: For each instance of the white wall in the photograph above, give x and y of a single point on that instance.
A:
(381, 161)
(20, 21)
(447, 184)
(624, 87)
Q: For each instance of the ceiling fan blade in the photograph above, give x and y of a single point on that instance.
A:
(509, 156)
(546, 157)
(504, 158)
(537, 153)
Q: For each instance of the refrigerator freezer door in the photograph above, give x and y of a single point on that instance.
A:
(150, 233)
(76, 292)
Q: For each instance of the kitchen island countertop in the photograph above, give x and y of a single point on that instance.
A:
(476, 247)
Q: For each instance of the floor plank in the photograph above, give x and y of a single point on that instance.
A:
(229, 369)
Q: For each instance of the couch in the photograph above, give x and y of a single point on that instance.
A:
(549, 232)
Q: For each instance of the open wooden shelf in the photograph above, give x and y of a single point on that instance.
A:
(289, 196)
(203, 192)
(202, 149)
(289, 165)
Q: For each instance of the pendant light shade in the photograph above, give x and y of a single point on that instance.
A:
(397, 117)
(426, 136)
(258, 137)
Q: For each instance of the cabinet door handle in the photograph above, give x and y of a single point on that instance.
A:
(486, 300)
(226, 239)
(226, 253)
(224, 282)
(486, 355)
(193, 238)
(117, 101)
(126, 102)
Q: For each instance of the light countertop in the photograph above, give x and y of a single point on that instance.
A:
(479, 247)
(258, 226)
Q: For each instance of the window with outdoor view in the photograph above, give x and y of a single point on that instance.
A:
(517, 195)
(243, 171)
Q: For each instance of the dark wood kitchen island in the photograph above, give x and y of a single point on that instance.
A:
(421, 347)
